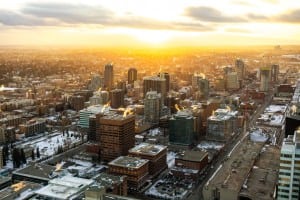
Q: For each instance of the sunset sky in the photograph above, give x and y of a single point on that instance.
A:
(149, 22)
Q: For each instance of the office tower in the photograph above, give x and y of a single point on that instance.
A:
(116, 98)
(109, 76)
(203, 88)
(195, 79)
(181, 128)
(232, 82)
(136, 170)
(264, 79)
(274, 73)
(77, 102)
(117, 134)
(96, 82)
(132, 75)
(94, 124)
(122, 86)
(154, 83)
(240, 69)
(289, 171)
(152, 107)
(99, 97)
(166, 76)
(221, 125)
(85, 114)
(156, 154)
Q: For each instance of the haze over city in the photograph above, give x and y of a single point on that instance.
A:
(149, 100)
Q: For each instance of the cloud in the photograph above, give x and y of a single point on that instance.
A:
(62, 14)
(290, 17)
(11, 18)
(69, 13)
(209, 14)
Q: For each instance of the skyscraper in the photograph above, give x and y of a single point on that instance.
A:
(109, 76)
(152, 103)
(182, 128)
(166, 76)
(264, 79)
(154, 83)
(116, 98)
(232, 82)
(289, 172)
(96, 82)
(274, 72)
(116, 135)
(240, 69)
(132, 75)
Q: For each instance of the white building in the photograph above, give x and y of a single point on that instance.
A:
(289, 172)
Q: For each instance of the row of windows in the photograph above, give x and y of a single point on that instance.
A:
(286, 155)
(285, 173)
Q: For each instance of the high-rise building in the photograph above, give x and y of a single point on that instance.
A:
(203, 89)
(117, 135)
(181, 128)
(132, 75)
(232, 82)
(221, 125)
(116, 98)
(94, 123)
(289, 171)
(152, 103)
(274, 72)
(96, 82)
(84, 114)
(99, 97)
(109, 76)
(166, 76)
(264, 79)
(154, 83)
(240, 69)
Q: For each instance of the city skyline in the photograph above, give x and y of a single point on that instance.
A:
(150, 23)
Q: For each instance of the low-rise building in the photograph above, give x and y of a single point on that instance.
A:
(156, 154)
(136, 169)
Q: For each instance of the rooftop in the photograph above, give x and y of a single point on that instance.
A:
(231, 174)
(18, 190)
(223, 114)
(129, 162)
(108, 180)
(262, 180)
(40, 171)
(64, 187)
(195, 156)
(147, 149)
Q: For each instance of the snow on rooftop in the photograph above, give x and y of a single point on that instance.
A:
(258, 136)
(210, 145)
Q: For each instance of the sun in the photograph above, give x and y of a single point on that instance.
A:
(152, 36)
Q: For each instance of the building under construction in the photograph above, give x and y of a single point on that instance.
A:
(116, 135)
